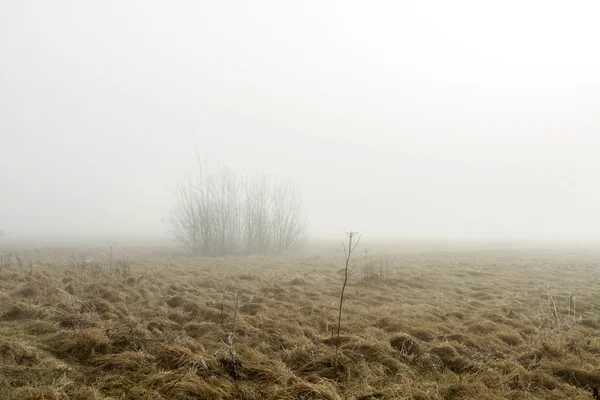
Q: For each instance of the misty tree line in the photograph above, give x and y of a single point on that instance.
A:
(218, 213)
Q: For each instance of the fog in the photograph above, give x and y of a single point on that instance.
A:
(429, 119)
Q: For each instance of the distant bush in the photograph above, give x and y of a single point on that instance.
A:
(217, 213)
(5, 256)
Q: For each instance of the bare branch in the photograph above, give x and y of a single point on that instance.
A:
(357, 242)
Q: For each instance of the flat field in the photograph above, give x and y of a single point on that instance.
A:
(416, 324)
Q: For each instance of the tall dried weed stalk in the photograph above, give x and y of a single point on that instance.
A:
(348, 254)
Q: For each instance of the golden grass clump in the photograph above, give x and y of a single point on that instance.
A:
(125, 361)
(28, 291)
(43, 393)
(63, 391)
(543, 380)
(405, 344)
(82, 344)
(483, 327)
(578, 377)
(20, 311)
(462, 339)
(325, 366)
(375, 353)
(305, 390)
(422, 335)
(76, 322)
(40, 327)
(129, 337)
(17, 352)
(252, 308)
(99, 305)
(461, 390)
(451, 359)
(175, 301)
(391, 324)
(180, 317)
(192, 307)
(162, 325)
(297, 281)
(174, 357)
(511, 339)
(111, 295)
(211, 314)
(198, 329)
(190, 386)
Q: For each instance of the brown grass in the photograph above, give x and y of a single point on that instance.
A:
(81, 344)
(125, 361)
(405, 344)
(443, 325)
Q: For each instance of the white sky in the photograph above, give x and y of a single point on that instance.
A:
(457, 119)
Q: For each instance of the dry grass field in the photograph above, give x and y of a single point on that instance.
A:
(454, 324)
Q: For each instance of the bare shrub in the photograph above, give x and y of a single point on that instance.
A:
(376, 267)
(216, 213)
(123, 267)
(5, 256)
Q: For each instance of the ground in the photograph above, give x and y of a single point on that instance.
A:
(417, 324)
